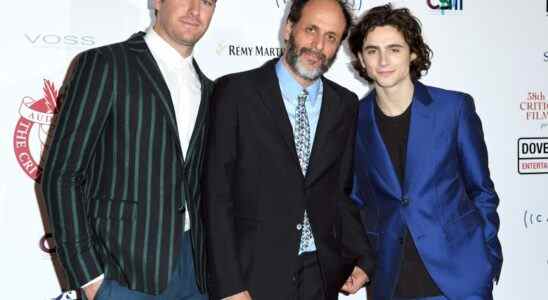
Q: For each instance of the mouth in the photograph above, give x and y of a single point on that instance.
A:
(189, 22)
(385, 73)
(312, 57)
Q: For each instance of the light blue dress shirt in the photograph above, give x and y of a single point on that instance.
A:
(291, 89)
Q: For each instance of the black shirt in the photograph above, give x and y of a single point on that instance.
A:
(414, 280)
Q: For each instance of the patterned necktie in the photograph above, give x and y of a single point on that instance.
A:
(302, 130)
(302, 144)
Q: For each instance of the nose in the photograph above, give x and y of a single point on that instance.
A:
(194, 7)
(318, 42)
(383, 58)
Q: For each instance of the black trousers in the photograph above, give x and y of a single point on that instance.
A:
(307, 280)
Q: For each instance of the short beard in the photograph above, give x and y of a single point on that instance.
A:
(293, 60)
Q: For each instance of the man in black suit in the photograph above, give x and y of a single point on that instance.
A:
(122, 177)
(280, 223)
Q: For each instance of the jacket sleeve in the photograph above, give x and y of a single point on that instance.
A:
(223, 264)
(479, 186)
(354, 239)
(86, 102)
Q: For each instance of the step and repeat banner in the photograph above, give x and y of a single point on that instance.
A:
(497, 51)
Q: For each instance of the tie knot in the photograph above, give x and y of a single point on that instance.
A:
(303, 95)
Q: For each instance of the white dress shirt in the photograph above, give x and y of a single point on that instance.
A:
(185, 89)
(182, 81)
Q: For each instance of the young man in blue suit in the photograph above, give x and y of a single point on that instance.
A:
(421, 171)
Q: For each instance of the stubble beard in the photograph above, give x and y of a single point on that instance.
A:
(293, 60)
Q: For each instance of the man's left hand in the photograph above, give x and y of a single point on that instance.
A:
(355, 281)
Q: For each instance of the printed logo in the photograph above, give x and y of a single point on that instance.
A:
(31, 132)
(47, 244)
(546, 55)
(533, 218)
(353, 4)
(535, 108)
(533, 155)
(445, 6)
(281, 3)
(47, 40)
(71, 295)
(226, 49)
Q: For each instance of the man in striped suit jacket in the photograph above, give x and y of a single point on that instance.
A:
(122, 176)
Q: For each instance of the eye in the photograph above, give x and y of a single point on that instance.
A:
(395, 50)
(370, 51)
(209, 3)
(332, 38)
(310, 29)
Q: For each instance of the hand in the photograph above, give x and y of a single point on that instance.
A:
(91, 289)
(355, 281)
(240, 296)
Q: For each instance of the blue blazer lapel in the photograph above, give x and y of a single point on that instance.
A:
(419, 144)
(382, 167)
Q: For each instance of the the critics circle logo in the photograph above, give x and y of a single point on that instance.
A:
(31, 132)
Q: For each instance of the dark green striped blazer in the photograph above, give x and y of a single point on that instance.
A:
(115, 180)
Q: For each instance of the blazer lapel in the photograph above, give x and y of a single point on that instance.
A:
(197, 139)
(382, 167)
(153, 77)
(420, 140)
(329, 117)
(271, 97)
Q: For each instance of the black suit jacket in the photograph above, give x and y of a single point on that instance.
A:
(115, 180)
(255, 193)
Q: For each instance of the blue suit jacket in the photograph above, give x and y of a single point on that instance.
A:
(447, 199)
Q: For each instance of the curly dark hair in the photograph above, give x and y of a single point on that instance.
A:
(404, 22)
(296, 9)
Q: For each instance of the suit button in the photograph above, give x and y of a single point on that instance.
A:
(299, 226)
(401, 241)
(405, 201)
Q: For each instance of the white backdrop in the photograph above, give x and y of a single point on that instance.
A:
(495, 50)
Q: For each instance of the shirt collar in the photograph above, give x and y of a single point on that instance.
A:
(163, 51)
(291, 88)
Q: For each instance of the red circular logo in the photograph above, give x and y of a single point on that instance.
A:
(31, 131)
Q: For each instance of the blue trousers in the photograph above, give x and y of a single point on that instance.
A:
(425, 298)
(489, 297)
(181, 287)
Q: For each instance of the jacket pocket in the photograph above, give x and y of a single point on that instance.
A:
(113, 209)
(463, 226)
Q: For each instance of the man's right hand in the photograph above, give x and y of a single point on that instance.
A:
(240, 296)
(91, 289)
